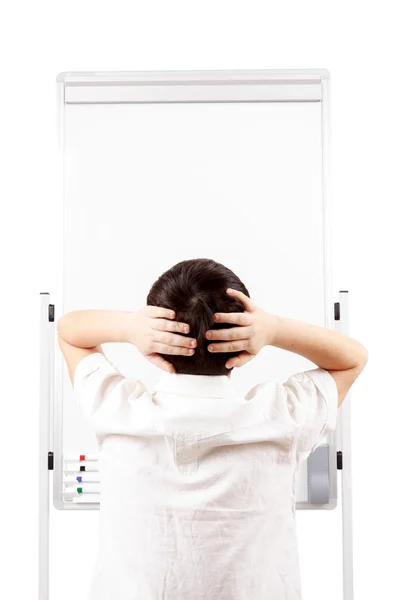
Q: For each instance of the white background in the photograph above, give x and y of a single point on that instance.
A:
(356, 41)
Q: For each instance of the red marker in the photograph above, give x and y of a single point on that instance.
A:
(81, 457)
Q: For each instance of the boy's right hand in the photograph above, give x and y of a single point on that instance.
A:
(154, 332)
(255, 329)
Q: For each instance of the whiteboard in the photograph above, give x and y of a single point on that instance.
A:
(234, 175)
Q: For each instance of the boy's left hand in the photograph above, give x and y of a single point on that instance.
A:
(154, 332)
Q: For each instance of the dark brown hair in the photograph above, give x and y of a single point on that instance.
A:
(195, 290)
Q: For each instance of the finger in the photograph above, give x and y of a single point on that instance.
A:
(169, 349)
(159, 312)
(161, 362)
(245, 300)
(240, 360)
(164, 325)
(235, 318)
(173, 339)
(235, 333)
(229, 346)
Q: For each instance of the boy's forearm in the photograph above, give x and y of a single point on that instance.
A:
(326, 348)
(90, 328)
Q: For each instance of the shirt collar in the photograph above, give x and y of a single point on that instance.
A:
(200, 386)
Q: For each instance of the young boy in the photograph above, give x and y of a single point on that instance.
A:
(197, 483)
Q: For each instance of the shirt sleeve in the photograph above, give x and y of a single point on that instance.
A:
(312, 401)
(99, 384)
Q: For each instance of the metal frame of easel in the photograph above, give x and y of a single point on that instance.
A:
(288, 85)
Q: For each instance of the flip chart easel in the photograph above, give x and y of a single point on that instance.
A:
(237, 148)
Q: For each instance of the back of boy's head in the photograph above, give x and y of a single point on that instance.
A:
(195, 290)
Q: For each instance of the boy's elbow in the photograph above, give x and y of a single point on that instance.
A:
(362, 358)
(366, 357)
(60, 326)
(63, 325)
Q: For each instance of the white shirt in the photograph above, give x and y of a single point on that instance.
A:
(197, 483)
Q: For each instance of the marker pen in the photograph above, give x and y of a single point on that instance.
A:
(83, 488)
(79, 468)
(83, 477)
(81, 457)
